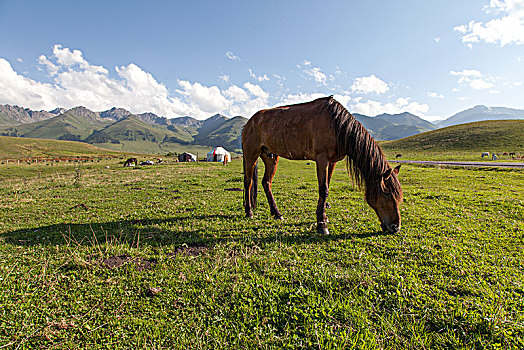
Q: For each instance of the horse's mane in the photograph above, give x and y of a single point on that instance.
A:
(364, 158)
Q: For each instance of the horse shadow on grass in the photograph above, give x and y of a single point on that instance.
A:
(179, 231)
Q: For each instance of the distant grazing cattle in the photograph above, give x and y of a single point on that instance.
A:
(485, 154)
(398, 156)
(511, 154)
(505, 153)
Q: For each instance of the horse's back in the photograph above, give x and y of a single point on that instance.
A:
(299, 131)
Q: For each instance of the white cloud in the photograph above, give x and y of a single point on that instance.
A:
(316, 74)
(402, 104)
(248, 105)
(68, 58)
(435, 95)
(437, 40)
(224, 78)
(256, 90)
(517, 83)
(236, 93)
(299, 98)
(20, 60)
(76, 82)
(203, 98)
(232, 56)
(19, 90)
(473, 78)
(260, 78)
(52, 68)
(479, 84)
(508, 28)
(370, 84)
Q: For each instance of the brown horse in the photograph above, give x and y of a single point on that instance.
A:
(131, 161)
(321, 130)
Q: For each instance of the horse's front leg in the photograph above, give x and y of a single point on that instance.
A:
(271, 168)
(323, 192)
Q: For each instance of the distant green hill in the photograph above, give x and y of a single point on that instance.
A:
(74, 125)
(133, 135)
(225, 132)
(497, 136)
(21, 147)
(133, 129)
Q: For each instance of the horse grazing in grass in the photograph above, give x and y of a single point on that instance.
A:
(325, 132)
(131, 161)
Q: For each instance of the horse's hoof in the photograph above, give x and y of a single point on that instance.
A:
(279, 217)
(322, 231)
(328, 206)
(249, 215)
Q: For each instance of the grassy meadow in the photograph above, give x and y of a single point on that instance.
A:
(162, 257)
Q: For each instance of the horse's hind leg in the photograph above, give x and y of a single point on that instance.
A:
(271, 167)
(323, 191)
(331, 168)
(249, 169)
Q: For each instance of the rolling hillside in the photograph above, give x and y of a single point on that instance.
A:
(496, 136)
(21, 147)
(224, 132)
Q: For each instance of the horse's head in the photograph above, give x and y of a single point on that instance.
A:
(385, 199)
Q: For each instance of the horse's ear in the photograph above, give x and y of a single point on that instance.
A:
(397, 169)
(387, 174)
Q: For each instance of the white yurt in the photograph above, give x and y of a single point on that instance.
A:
(187, 157)
(218, 154)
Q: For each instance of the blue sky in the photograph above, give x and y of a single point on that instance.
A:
(198, 58)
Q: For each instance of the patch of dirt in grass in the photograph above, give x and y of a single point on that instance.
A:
(63, 324)
(152, 291)
(233, 189)
(81, 205)
(189, 251)
(114, 262)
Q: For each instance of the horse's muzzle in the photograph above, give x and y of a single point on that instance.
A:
(393, 228)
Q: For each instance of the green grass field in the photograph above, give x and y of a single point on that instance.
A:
(162, 257)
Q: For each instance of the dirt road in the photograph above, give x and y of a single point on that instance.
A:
(462, 163)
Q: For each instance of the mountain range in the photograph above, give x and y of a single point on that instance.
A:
(480, 113)
(121, 130)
